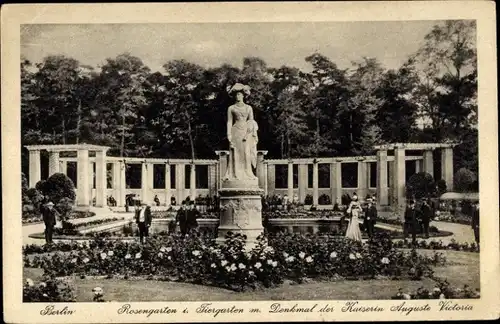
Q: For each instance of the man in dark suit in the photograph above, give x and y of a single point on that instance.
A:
(411, 222)
(181, 218)
(143, 219)
(49, 214)
(426, 214)
(475, 221)
(370, 217)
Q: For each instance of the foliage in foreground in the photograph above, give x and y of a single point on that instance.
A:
(442, 290)
(49, 290)
(198, 259)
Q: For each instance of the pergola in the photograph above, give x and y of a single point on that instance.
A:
(83, 179)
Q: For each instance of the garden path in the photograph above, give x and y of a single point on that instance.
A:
(100, 213)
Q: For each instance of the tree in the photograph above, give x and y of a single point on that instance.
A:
(182, 99)
(420, 185)
(448, 87)
(122, 94)
(464, 180)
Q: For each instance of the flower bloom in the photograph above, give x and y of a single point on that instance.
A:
(111, 253)
(241, 266)
(163, 249)
(213, 265)
(436, 290)
(352, 256)
(228, 269)
(73, 260)
(30, 282)
(223, 262)
(233, 267)
(290, 259)
(138, 255)
(333, 255)
(196, 252)
(251, 272)
(406, 296)
(268, 249)
(385, 260)
(160, 255)
(285, 254)
(128, 256)
(309, 259)
(258, 265)
(358, 255)
(168, 249)
(274, 264)
(270, 262)
(103, 255)
(302, 255)
(442, 296)
(85, 260)
(97, 291)
(169, 257)
(43, 284)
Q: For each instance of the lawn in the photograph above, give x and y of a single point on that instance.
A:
(463, 269)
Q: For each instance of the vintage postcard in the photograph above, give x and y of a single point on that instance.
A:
(227, 162)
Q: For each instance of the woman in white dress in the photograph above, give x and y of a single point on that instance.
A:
(353, 232)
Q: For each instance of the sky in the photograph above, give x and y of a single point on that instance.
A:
(213, 44)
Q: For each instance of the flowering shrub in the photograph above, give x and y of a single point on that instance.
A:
(439, 245)
(72, 229)
(198, 259)
(442, 290)
(457, 218)
(50, 290)
(302, 214)
(32, 217)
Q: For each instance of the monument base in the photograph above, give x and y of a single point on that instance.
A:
(241, 212)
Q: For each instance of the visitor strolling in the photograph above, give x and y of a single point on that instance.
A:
(143, 219)
(49, 214)
(411, 222)
(370, 217)
(353, 232)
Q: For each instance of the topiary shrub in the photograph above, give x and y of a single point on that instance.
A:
(441, 187)
(420, 185)
(463, 180)
(59, 186)
(308, 200)
(324, 199)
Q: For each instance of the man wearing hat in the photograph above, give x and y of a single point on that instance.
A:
(370, 217)
(181, 218)
(143, 219)
(426, 213)
(411, 222)
(49, 214)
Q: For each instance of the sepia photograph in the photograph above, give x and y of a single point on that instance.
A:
(274, 161)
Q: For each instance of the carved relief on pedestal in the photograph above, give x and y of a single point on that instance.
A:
(240, 212)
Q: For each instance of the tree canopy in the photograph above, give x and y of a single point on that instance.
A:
(327, 111)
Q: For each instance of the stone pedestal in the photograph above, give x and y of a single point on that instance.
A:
(241, 210)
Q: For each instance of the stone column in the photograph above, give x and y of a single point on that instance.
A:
(399, 177)
(261, 169)
(447, 167)
(265, 168)
(192, 182)
(34, 170)
(82, 167)
(91, 182)
(212, 180)
(303, 180)
(101, 178)
(179, 182)
(362, 189)
(315, 184)
(116, 182)
(429, 162)
(151, 184)
(144, 182)
(168, 193)
(336, 182)
(123, 184)
(382, 187)
(53, 163)
(271, 179)
(290, 181)
(63, 167)
(418, 166)
(223, 159)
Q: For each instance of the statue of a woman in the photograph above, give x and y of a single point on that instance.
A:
(242, 136)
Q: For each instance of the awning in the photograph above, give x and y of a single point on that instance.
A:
(460, 196)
